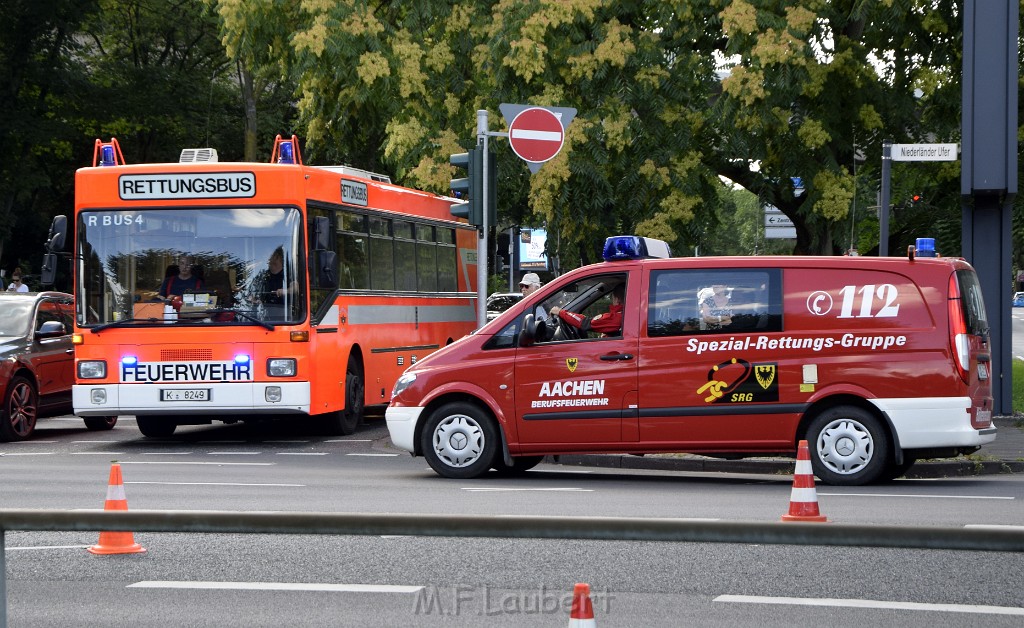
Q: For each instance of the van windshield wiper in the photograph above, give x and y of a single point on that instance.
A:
(248, 317)
(124, 323)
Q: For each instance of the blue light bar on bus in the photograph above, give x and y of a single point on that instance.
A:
(634, 247)
(129, 360)
(925, 247)
(241, 358)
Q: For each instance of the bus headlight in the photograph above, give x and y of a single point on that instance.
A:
(403, 382)
(281, 367)
(92, 369)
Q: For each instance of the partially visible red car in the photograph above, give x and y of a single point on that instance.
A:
(37, 362)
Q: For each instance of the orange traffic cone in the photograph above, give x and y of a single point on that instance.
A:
(582, 614)
(803, 501)
(116, 542)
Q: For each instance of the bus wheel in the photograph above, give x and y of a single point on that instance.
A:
(20, 411)
(460, 441)
(156, 426)
(520, 464)
(346, 421)
(848, 446)
(97, 423)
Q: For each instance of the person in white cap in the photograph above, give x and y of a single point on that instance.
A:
(529, 284)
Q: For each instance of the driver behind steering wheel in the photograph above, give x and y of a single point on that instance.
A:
(606, 324)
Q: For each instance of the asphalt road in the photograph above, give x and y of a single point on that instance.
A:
(250, 580)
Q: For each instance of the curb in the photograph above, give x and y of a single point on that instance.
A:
(920, 470)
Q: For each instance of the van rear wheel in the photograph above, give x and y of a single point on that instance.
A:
(848, 446)
(100, 423)
(520, 464)
(460, 441)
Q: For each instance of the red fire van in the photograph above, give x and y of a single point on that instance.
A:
(876, 362)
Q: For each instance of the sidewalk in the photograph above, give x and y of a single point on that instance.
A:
(1004, 455)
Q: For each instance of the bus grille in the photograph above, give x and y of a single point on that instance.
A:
(185, 355)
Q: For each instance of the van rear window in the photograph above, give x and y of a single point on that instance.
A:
(973, 303)
(712, 301)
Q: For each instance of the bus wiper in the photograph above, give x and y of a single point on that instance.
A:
(262, 324)
(123, 323)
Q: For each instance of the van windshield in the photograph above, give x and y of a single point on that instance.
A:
(973, 303)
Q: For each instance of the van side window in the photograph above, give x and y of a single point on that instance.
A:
(716, 301)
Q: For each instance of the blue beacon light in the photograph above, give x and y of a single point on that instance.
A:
(925, 247)
(129, 360)
(242, 358)
(287, 155)
(107, 155)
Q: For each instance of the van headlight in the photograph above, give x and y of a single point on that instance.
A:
(403, 382)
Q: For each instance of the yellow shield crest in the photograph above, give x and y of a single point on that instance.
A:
(572, 363)
(765, 374)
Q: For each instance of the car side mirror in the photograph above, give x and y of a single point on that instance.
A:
(51, 329)
(529, 333)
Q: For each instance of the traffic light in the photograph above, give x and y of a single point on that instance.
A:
(469, 187)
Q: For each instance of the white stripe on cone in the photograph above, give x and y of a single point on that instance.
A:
(115, 492)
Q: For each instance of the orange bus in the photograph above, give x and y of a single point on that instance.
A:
(208, 290)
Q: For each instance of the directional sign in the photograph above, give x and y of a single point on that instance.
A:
(924, 152)
(777, 220)
(779, 233)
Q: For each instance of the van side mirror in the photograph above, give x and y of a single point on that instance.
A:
(529, 333)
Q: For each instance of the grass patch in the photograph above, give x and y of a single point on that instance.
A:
(1017, 386)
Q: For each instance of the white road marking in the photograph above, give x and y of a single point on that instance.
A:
(349, 440)
(277, 586)
(488, 489)
(167, 453)
(880, 604)
(32, 442)
(302, 453)
(29, 453)
(217, 464)
(235, 453)
(993, 526)
(46, 547)
(374, 455)
(286, 441)
(214, 484)
(560, 471)
(913, 495)
(99, 453)
(92, 442)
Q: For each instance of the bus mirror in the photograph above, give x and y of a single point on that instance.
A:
(321, 233)
(48, 273)
(57, 240)
(324, 263)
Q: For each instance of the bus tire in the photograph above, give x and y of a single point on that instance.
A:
(156, 426)
(520, 464)
(848, 446)
(20, 411)
(345, 422)
(460, 441)
(100, 423)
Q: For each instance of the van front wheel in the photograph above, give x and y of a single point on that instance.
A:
(460, 441)
(848, 446)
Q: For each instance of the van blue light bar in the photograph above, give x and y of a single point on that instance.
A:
(634, 247)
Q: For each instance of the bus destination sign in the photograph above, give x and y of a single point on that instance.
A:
(139, 187)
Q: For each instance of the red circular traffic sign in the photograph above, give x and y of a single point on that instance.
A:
(536, 135)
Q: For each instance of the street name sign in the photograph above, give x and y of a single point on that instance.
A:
(924, 152)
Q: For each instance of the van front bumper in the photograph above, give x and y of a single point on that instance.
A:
(402, 423)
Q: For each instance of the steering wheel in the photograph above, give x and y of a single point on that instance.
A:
(565, 330)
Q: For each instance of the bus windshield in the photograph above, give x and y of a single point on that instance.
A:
(233, 266)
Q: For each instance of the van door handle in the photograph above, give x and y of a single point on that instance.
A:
(617, 356)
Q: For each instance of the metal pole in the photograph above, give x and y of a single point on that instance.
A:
(481, 251)
(883, 209)
(3, 579)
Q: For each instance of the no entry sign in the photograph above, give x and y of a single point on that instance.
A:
(536, 135)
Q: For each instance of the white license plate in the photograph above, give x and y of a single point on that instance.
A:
(185, 394)
(982, 371)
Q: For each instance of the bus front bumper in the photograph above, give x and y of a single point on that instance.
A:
(205, 398)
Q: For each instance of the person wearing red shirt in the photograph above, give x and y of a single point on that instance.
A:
(606, 324)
